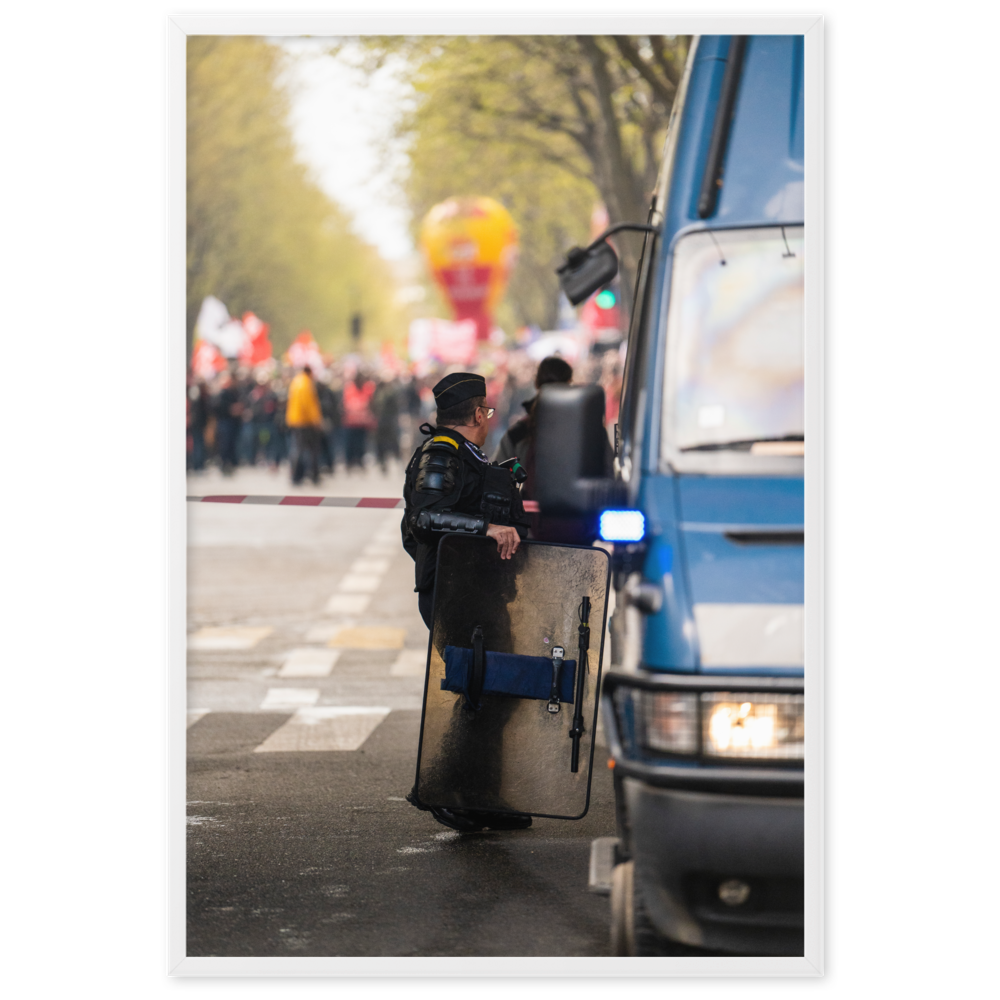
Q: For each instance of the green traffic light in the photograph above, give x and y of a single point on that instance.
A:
(605, 299)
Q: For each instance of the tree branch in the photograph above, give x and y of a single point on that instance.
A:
(621, 180)
(665, 55)
(663, 92)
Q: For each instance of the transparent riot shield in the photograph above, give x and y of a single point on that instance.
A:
(513, 675)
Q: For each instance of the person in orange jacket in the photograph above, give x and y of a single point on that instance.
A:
(304, 419)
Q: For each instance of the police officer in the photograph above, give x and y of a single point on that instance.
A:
(451, 485)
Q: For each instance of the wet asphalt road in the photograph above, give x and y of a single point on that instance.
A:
(315, 852)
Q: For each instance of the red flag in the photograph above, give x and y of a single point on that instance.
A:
(206, 359)
(256, 347)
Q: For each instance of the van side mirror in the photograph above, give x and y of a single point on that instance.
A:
(587, 270)
(572, 474)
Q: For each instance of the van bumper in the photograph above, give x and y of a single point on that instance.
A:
(685, 845)
(693, 828)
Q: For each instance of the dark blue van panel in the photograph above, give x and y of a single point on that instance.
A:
(764, 164)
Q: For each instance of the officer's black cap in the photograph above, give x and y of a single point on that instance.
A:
(458, 387)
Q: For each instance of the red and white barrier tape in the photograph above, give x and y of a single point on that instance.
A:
(387, 503)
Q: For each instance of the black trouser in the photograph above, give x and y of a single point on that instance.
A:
(425, 602)
(305, 460)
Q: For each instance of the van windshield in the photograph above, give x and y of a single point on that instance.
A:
(735, 344)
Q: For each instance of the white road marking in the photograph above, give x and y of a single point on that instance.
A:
(380, 550)
(389, 532)
(309, 662)
(328, 727)
(359, 583)
(325, 632)
(194, 714)
(372, 567)
(348, 604)
(409, 663)
(233, 637)
(290, 697)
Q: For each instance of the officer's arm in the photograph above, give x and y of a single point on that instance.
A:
(436, 488)
(432, 522)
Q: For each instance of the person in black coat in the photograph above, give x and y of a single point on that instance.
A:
(450, 487)
(519, 441)
(450, 484)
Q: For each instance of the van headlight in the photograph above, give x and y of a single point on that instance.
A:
(669, 721)
(768, 727)
(727, 724)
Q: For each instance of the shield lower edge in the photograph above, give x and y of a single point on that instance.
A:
(511, 754)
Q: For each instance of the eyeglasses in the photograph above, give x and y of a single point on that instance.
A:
(489, 411)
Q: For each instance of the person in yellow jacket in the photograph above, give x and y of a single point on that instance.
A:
(304, 419)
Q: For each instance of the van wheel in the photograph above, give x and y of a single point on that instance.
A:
(632, 932)
(648, 940)
(622, 926)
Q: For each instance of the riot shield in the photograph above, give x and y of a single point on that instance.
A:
(513, 676)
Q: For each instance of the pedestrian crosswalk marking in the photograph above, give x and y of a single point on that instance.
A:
(348, 604)
(326, 631)
(360, 583)
(323, 728)
(310, 662)
(369, 566)
(379, 550)
(369, 637)
(389, 532)
(230, 637)
(409, 663)
(194, 714)
(285, 698)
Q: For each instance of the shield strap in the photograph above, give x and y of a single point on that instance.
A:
(577, 731)
(478, 668)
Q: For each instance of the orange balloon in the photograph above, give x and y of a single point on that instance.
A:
(471, 246)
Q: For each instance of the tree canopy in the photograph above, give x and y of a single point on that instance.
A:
(548, 124)
(261, 235)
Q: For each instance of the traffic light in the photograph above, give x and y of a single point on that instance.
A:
(606, 299)
(356, 327)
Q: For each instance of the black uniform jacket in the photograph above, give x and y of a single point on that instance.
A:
(451, 486)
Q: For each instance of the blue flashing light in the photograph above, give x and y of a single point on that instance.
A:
(622, 526)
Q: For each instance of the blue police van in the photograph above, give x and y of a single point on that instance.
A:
(703, 707)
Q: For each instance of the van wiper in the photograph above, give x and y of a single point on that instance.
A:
(743, 445)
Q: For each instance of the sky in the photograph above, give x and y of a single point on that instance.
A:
(342, 124)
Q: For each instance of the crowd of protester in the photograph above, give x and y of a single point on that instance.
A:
(347, 416)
